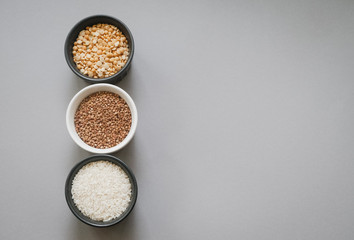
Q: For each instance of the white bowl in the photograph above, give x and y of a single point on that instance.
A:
(74, 104)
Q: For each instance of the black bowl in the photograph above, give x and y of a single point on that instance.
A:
(77, 212)
(74, 33)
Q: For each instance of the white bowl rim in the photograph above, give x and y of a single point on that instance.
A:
(77, 99)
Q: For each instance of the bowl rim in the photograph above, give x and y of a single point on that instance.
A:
(69, 56)
(75, 102)
(77, 212)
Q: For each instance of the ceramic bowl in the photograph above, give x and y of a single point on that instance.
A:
(81, 95)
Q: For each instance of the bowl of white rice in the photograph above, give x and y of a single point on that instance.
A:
(101, 190)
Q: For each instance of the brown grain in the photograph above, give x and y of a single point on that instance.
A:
(103, 120)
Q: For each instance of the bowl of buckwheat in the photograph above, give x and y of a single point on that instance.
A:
(99, 49)
(101, 118)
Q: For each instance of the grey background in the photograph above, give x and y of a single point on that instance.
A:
(245, 119)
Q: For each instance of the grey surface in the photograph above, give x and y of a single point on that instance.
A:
(245, 119)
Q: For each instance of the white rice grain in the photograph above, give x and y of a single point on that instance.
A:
(101, 190)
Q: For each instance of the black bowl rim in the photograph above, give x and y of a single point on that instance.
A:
(76, 211)
(99, 80)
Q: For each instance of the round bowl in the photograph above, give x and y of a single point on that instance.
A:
(74, 104)
(77, 212)
(89, 21)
